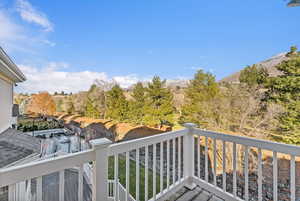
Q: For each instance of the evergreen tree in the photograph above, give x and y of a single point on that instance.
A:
(293, 51)
(70, 106)
(117, 105)
(159, 109)
(59, 105)
(137, 105)
(97, 98)
(253, 76)
(201, 100)
(285, 90)
(90, 110)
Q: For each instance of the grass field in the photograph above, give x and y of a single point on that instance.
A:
(132, 177)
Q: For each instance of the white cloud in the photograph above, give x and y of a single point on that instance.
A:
(196, 68)
(13, 36)
(126, 81)
(53, 77)
(50, 43)
(16, 37)
(32, 15)
(8, 29)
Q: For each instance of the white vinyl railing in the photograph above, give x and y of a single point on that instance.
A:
(247, 144)
(161, 158)
(152, 168)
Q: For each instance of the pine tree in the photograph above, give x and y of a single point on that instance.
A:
(117, 105)
(97, 98)
(89, 109)
(159, 109)
(253, 76)
(201, 100)
(70, 106)
(292, 52)
(285, 90)
(59, 105)
(137, 105)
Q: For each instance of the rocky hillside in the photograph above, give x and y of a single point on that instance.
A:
(269, 64)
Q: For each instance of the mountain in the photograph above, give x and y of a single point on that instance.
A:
(177, 83)
(172, 84)
(269, 64)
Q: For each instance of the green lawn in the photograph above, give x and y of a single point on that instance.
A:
(132, 178)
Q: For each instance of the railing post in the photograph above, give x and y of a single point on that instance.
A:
(188, 153)
(100, 169)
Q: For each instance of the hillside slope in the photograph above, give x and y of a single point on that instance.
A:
(269, 64)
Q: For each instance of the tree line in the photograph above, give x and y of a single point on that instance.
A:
(148, 105)
(258, 105)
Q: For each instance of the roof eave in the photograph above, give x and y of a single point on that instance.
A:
(18, 76)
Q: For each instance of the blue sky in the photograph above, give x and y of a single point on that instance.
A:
(75, 42)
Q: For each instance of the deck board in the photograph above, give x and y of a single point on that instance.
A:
(197, 194)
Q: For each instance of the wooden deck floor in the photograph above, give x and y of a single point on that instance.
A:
(197, 194)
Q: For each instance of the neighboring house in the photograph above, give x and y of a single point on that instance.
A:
(10, 74)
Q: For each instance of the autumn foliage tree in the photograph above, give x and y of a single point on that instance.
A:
(42, 103)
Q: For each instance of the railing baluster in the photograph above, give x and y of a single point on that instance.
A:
(199, 156)
(215, 161)
(234, 153)
(137, 175)
(293, 179)
(20, 191)
(168, 164)
(174, 162)
(224, 165)
(127, 176)
(275, 176)
(62, 185)
(179, 158)
(80, 183)
(161, 170)
(146, 171)
(116, 177)
(154, 172)
(12, 192)
(39, 188)
(193, 142)
(246, 173)
(259, 175)
(28, 188)
(206, 159)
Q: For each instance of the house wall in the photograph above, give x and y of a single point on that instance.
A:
(6, 102)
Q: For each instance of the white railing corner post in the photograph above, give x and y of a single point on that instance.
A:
(100, 169)
(188, 153)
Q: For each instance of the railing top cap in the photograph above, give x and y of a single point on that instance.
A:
(190, 125)
(100, 143)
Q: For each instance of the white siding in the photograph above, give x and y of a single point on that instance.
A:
(6, 101)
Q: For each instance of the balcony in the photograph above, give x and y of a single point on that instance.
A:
(154, 168)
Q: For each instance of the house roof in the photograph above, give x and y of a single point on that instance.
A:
(15, 146)
(9, 68)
